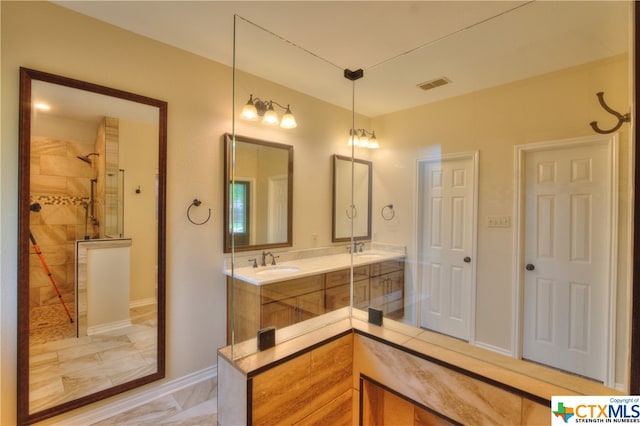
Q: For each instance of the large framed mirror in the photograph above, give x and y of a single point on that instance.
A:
(351, 202)
(261, 187)
(91, 264)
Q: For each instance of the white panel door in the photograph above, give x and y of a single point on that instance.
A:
(446, 214)
(567, 242)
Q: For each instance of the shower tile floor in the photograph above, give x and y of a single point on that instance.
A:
(63, 367)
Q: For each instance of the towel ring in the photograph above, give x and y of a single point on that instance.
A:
(196, 203)
(354, 209)
(388, 216)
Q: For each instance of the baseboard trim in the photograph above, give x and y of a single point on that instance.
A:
(124, 402)
(142, 302)
(493, 348)
(103, 328)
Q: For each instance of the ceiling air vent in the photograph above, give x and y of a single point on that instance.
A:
(432, 84)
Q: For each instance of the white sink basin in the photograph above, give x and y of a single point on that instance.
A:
(278, 270)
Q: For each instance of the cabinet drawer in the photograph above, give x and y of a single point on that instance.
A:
(386, 267)
(292, 288)
(342, 276)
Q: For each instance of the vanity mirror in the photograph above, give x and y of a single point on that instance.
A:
(351, 204)
(261, 187)
(91, 265)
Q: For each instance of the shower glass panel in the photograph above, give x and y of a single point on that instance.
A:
(473, 141)
(273, 72)
(114, 204)
(491, 166)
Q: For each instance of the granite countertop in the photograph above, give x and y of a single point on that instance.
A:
(310, 266)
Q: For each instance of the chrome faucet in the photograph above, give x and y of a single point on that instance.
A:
(357, 245)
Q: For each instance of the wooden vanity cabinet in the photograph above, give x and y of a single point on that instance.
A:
(288, 302)
(284, 303)
(338, 291)
(387, 288)
(279, 304)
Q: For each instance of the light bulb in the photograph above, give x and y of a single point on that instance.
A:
(288, 120)
(353, 138)
(364, 140)
(270, 116)
(373, 142)
(42, 106)
(249, 111)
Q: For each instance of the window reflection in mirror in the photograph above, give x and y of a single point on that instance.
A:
(258, 194)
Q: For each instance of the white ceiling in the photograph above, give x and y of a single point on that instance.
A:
(476, 44)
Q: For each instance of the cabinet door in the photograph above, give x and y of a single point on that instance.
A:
(310, 305)
(377, 292)
(387, 293)
(337, 297)
(361, 294)
(279, 314)
(394, 297)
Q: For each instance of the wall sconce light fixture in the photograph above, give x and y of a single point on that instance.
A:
(256, 108)
(365, 139)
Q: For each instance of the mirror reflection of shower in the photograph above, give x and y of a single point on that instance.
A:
(90, 218)
(87, 158)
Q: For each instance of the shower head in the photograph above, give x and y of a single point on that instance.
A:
(86, 158)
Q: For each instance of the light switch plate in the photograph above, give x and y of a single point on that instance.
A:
(499, 221)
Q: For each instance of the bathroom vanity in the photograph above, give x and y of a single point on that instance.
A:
(282, 295)
(352, 372)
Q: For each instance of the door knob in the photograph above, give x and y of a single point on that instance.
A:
(467, 259)
(529, 267)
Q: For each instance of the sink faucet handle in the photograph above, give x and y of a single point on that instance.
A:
(255, 262)
(264, 257)
(273, 259)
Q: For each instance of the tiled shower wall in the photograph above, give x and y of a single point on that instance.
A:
(60, 183)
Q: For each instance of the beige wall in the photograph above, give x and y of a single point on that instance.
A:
(139, 160)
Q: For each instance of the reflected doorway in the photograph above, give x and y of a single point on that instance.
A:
(447, 211)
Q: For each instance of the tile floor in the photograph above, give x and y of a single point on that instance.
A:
(61, 370)
(193, 406)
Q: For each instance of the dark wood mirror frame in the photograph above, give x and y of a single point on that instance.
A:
(228, 152)
(26, 78)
